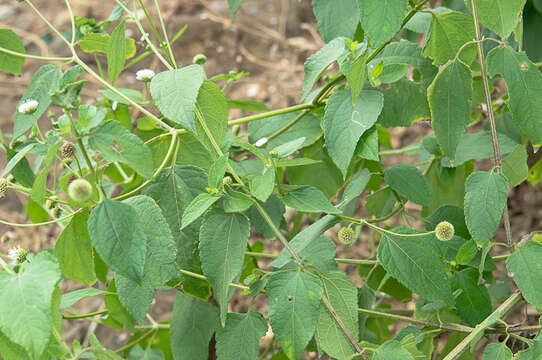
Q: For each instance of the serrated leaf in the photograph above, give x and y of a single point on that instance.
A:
(404, 104)
(175, 92)
(499, 16)
(100, 352)
(197, 207)
(26, 299)
(69, 299)
(136, 299)
(525, 268)
(409, 182)
(485, 199)
(344, 124)
(319, 62)
(411, 261)
(381, 19)
(262, 183)
(327, 13)
(294, 298)
(450, 31)
(392, 350)
(480, 146)
(497, 351)
(116, 52)
(116, 143)
(514, 166)
(524, 83)
(343, 297)
(450, 103)
(193, 323)
(11, 64)
(217, 171)
(240, 339)
(73, 250)
(137, 353)
(222, 243)
(308, 199)
(211, 105)
(473, 303)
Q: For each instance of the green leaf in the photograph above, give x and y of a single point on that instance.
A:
(343, 297)
(15, 159)
(118, 238)
(381, 19)
(450, 31)
(355, 187)
(11, 64)
(118, 144)
(308, 199)
(381, 202)
(217, 171)
(344, 124)
(524, 83)
(450, 103)
(136, 299)
(525, 268)
(69, 299)
(248, 105)
(411, 261)
(514, 166)
(533, 352)
(485, 199)
(222, 243)
(480, 146)
(94, 42)
(499, 16)
(234, 6)
(497, 351)
(137, 353)
(294, 299)
(473, 303)
(116, 52)
(368, 147)
(211, 104)
(392, 350)
(100, 352)
(319, 62)
(39, 187)
(356, 76)
(46, 78)
(197, 207)
(262, 184)
(26, 299)
(193, 323)
(327, 13)
(175, 92)
(404, 104)
(73, 250)
(409, 182)
(240, 339)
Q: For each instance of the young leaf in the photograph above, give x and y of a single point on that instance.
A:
(319, 62)
(211, 105)
(485, 199)
(497, 351)
(240, 339)
(73, 250)
(525, 268)
(499, 16)
(223, 241)
(193, 323)
(412, 261)
(35, 286)
(116, 52)
(217, 171)
(392, 350)
(69, 299)
(234, 6)
(343, 296)
(175, 92)
(344, 124)
(94, 42)
(11, 64)
(381, 19)
(197, 207)
(262, 184)
(308, 199)
(524, 83)
(514, 166)
(450, 31)
(408, 182)
(116, 143)
(327, 13)
(450, 103)
(294, 298)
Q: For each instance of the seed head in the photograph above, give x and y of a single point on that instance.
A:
(67, 150)
(17, 254)
(199, 59)
(145, 75)
(444, 231)
(80, 190)
(227, 180)
(28, 107)
(3, 187)
(346, 235)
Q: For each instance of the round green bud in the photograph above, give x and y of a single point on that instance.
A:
(199, 59)
(80, 190)
(346, 235)
(444, 231)
(227, 180)
(67, 150)
(3, 187)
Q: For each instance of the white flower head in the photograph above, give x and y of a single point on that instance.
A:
(28, 107)
(114, 105)
(17, 254)
(144, 75)
(261, 142)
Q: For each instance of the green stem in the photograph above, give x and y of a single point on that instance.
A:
(48, 23)
(270, 114)
(40, 223)
(72, 21)
(35, 57)
(157, 326)
(400, 151)
(144, 336)
(6, 267)
(62, 343)
(289, 125)
(166, 38)
(379, 229)
(203, 277)
(339, 260)
(83, 316)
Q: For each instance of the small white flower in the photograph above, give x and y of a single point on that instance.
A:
(145, 75)
(143, 37)
(114, 105)
(28, 107)
(17, 254)
(261, 142)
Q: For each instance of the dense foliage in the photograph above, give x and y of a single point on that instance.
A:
(170, 199)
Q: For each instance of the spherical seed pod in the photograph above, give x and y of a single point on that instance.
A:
(3, 187)
(346, 235)
(67, 150)
(227, 180)
(444, 231)
(199, 59)
(80, 190)
(17, 254)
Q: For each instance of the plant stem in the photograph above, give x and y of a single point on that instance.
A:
(166, 38)
(47, 22)
(289, 125)
(83, 316)
(269, 114)
(339, 260)
(339, 322)
(40, 223)
(203, 277)
(491, 116)
(35, 57)
(6, 267)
